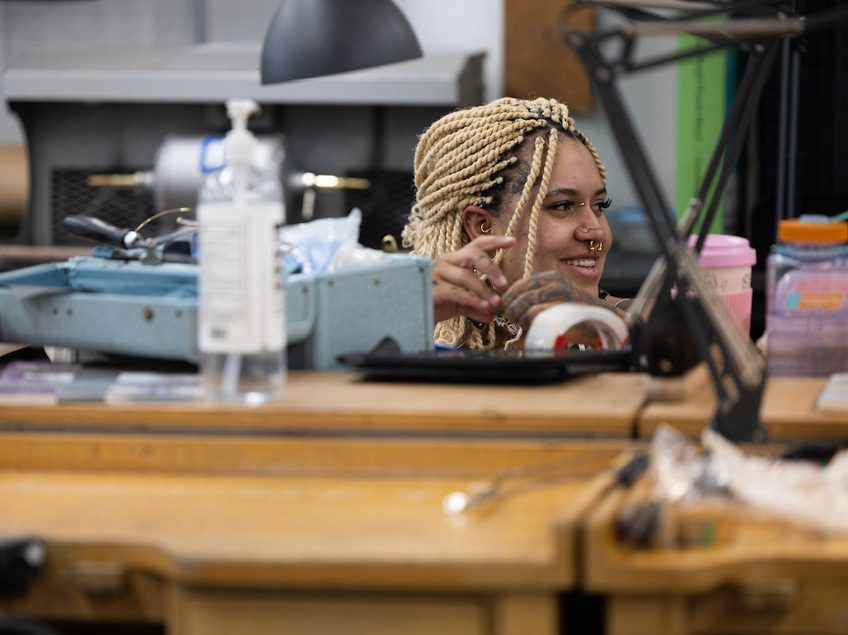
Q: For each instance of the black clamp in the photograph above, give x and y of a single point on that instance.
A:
(21, 560)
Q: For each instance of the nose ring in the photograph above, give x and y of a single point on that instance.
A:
(596, 246)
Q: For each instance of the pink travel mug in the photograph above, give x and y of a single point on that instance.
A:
(727, 262)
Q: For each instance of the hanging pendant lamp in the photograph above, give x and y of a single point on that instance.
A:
(311, 38)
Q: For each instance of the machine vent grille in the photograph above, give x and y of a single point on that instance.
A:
(70, 194)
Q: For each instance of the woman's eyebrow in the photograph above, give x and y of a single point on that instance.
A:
(567, 191)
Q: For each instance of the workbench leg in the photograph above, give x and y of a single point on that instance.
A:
(525, 614)
(646, 614)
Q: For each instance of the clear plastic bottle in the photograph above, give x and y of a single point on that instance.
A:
(242, 317)
(807, 298)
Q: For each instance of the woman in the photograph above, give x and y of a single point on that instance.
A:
(510, 200)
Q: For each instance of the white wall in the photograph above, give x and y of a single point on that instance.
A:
(462, 25)
(237, 21)
(651, 99)
(86, 25)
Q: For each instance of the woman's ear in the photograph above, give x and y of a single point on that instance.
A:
(477, 222)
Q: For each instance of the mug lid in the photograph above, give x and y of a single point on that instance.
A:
(725, 250)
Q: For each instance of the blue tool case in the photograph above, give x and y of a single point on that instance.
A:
(129, 308)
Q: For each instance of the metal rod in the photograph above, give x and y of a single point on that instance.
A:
(677, 56)
(740, 27)
(782, 133)
(792, 146)
(680, 5)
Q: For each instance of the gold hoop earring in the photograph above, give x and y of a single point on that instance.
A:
(485, 228)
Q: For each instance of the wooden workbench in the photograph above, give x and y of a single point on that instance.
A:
(616, 405)
(218, 535)
(760, 575)
(788, 411)
(318, 511)
(325, 510)
(603, 405)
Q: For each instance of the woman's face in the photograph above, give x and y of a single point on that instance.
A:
(572, 215)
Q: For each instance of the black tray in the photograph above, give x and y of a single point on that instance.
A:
(387, 363)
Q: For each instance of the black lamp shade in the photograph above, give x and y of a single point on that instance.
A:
(310, 38)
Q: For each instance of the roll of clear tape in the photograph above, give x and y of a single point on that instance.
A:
(547, 327)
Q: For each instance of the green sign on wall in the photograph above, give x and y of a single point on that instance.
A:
(702, 103)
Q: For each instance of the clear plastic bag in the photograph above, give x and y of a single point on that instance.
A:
(327, 244)
(799, 491)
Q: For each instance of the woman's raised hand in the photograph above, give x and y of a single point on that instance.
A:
(457, 286)
(528, 297)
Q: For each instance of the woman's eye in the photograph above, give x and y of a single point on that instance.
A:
(602, 205)
(562, 206)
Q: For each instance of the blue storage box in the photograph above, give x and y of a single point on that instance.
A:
(127, 308)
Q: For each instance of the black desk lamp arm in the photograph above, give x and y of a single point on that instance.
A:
(685, 274)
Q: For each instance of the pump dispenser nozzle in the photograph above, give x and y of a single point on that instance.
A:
(240, 142)
(239, 110)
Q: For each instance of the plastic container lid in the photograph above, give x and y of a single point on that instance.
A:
(796, 230)
(724, 250)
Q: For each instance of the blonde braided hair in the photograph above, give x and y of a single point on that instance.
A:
(463, 159)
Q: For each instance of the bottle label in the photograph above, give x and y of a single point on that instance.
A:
(819, 301)
(810, 290)
(241, 284)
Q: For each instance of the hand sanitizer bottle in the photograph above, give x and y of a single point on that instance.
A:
(242, 318)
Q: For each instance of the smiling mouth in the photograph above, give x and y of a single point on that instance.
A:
(583, 266)
(589, 263)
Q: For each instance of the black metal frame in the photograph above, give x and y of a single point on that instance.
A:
(757, 27)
